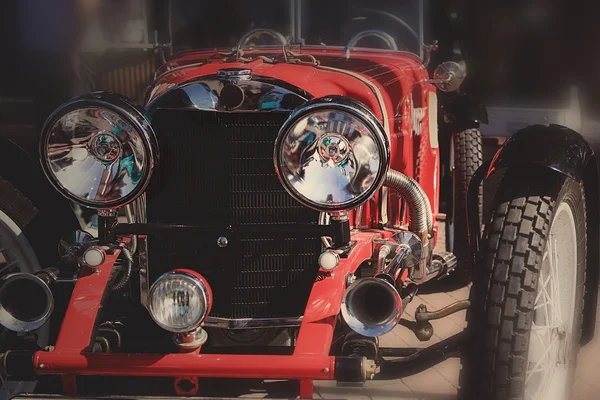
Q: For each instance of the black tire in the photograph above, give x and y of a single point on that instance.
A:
(16, 205)
(504, 291)
(15, 254)
(20, 211)
(468, 156)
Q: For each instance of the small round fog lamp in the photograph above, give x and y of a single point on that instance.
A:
(329, 260)
(180, 300)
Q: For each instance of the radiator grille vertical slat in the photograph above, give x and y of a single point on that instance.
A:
(217, 169)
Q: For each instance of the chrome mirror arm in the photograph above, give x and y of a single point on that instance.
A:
(448, 76)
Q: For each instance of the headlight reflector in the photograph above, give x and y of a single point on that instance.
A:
(332, 154)
(98, 150)
(180, 300)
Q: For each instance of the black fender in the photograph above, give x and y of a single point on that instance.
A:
(54, 216)
(566, 152)
(463, 111)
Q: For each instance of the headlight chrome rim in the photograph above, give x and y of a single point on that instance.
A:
(356, 110)
(197, 280)
(121, 107)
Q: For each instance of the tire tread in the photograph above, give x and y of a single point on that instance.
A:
(513, 243)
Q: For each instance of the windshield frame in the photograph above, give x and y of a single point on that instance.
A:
(298, 40)
(295, 34)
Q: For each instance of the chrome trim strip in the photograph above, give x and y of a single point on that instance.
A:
(257, 94)
(171, 67)
(247, 323)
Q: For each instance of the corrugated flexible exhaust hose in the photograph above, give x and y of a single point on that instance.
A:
(128, 258)
(419, 208)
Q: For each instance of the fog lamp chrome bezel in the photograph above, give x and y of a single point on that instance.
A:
(197, 280)
(122, 108)
(356, 110)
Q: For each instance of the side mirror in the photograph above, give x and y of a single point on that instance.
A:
(448, 76)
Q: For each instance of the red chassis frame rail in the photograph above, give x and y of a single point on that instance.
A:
(310, 361)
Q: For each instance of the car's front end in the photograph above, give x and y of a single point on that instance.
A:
(278, 214)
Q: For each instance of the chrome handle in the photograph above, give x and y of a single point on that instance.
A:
(387, 38)
(270, 32)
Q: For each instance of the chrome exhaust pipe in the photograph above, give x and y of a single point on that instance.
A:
(371, 306)
(26, 302)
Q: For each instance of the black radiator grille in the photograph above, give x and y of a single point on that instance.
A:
(216, 169)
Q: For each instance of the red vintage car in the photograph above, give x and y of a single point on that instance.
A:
(282, 202)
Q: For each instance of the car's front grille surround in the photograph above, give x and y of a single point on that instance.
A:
(216, 170)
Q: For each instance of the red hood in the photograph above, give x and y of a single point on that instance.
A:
(393, 74)
(390, 74)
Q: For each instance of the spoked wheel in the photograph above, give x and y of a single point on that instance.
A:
(528, 302)
(552, 327)
(16, 255)
(466, 155)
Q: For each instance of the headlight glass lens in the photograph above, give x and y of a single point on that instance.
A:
(96, 156)
(179, 302)
(331, 159)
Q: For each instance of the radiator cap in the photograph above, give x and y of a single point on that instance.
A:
(233, 74)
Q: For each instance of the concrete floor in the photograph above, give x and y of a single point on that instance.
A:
(441, 381)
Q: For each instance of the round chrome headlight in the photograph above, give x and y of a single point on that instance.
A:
(98, 150)
(332, 154)
(180, 300)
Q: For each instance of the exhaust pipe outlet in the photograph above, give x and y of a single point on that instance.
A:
(371, 306)
(26, 302)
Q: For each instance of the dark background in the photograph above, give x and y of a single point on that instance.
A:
(516, 51)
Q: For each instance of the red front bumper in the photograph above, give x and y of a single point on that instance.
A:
(198, 365)
(310, 361)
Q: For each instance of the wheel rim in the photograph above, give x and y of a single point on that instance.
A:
(549, 356)
(17, 255)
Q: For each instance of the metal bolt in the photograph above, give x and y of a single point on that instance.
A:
(421, 309)
(222, 241)
(49, 348)
(350, 278)
(41, 366)
(325, 370)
